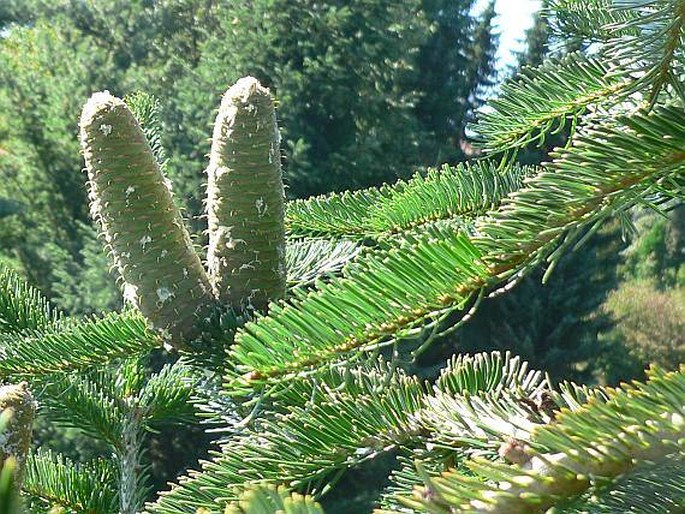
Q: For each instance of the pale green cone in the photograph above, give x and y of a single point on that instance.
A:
(245, 200)
(17, 401)
(162, 274)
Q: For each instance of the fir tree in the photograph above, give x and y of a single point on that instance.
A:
(303, 392)
(537, 42)
(454, 65)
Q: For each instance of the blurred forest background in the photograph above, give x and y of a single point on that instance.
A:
(368, 91)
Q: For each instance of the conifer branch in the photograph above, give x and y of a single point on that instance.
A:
(547, 100)
(166, 396)
(361, 415)
(450, 193)
(579, 450)
(340, 418)
(82, 488)
(79, 402)
(645, 37)
(75, 345)
(651, 40)
(308, 260)
(22, 307)
(588, 21)
(608, 169)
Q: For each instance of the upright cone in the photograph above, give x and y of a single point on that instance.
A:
(245, 200)
(144, 230)
(17, 401)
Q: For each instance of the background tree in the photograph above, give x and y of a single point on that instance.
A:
(647, 306)
(650, 322)
(455, 67)
(657, 248)
(537, 42)
(361, 58)
(557, 325)
(43, 71)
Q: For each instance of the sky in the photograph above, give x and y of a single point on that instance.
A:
(513, 18)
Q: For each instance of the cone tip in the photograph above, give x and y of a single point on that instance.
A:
(13, 395)
(98, 103)
(244, 90)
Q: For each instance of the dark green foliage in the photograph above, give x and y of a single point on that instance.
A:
(369, 61)
(9, 207)
(86, 286)
(358, 56)
(455, 64)
(556, 326)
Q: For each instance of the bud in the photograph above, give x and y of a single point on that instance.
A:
(18, 408)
